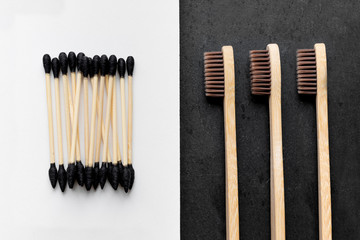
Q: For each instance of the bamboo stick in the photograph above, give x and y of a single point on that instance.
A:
(130, 62)
(52, 170)
(71, 167)
(61, 172)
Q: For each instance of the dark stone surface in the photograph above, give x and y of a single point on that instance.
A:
(208, 25)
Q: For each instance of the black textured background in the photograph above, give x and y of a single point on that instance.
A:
(251, 24)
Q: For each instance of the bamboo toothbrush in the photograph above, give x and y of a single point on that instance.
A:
(88, 168)
(126, 170)
(94, 75)
(115, 169)
(61, 173)
(112, 65)
(52, 170)
(266, 80)
(64, 70)
(220, 82)
(130, 68)
(103, 173)
(71, 166)
(72, 65)
(312, 79)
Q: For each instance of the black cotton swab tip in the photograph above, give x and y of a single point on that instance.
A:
(115, 176)
(47, 63)
(84, 67)
(91, 67)
(79, 57)
(104, 65)
(130, 62)
(126, 178)
(71, 174)
(52, 170)
(132, 176)
(72, 61)
(96, 64)
(103, 174)
(62, 177)
(89, 172)
(96, 179)
(80, 173)
(121, 173)
(53, 174)
(109, 173)
(55, 67)
(121, 67)
(63, 63)
(112, 65)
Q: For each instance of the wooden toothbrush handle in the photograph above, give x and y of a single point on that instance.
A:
(277, 199)
(325, 228)
(232, 205)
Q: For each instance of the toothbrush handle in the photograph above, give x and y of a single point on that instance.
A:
(232, 205)
(277, 199)
(325, 228)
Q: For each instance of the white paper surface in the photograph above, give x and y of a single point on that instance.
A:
(29, 207)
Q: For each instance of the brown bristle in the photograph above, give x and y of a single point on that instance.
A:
(260, 72)
(214, 74)
(306, 71)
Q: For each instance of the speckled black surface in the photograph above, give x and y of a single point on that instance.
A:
(206, 26)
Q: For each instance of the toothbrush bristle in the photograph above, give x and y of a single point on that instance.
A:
(260, 72)
(306, 71)
(214, 74)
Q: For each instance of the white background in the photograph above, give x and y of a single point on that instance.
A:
(29, 207)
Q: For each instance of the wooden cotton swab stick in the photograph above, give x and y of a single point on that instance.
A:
(102, 134)
(112, 65)
(71, 166)
(80, 170)
(120, 166)
(103, 173)
(103, 131)
(110, 164)
(61, 173)
(94, 71)
(130, 68)
(64, 69)
(126, 171)
(121, 69)
(115, 170)
(88, 168)
(72, 61)
(72, 65)
(52, 169)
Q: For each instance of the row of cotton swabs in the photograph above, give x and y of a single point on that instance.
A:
(102, 75)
